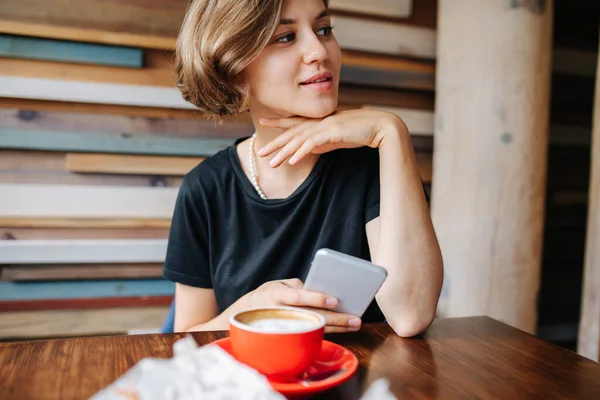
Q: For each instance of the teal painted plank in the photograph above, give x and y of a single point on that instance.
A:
(85, 289)
(65, 51)
(11, 138)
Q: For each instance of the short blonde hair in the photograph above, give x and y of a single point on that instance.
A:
(217, 41)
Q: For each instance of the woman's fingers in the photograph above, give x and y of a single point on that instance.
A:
(293, 282)
(339, 322)
(309, 145)
(290, 148)
(276, 144)
(289, 292)
(303, 298)
(338, 329)
(286, 136)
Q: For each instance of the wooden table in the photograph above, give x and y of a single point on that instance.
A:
(463, 358)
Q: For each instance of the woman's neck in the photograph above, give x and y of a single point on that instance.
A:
(280, 182)
(264, 135)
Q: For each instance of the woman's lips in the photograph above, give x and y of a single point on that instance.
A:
(321, 87)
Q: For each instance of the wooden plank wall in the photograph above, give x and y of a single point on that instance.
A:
(374, 73)
(92, 152)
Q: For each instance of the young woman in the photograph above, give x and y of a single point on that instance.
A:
(249, 219)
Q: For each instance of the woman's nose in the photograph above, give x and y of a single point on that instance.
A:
(314, 51)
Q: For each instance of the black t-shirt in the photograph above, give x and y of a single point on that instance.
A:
(224, 236)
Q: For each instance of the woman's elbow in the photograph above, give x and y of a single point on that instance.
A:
(411, 324)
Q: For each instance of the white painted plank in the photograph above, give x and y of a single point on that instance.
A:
(419, 122)
(65, 201)
(91, 92)
(390, 8)
(384, 37)
(82, 251)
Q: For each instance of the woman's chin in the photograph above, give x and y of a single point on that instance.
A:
(321, 111)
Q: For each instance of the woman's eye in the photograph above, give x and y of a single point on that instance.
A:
(286, 38)
(326, 30)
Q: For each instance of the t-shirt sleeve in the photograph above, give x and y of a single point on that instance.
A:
(187, 260)
(373, 190)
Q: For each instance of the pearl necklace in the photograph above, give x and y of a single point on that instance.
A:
(252, 173)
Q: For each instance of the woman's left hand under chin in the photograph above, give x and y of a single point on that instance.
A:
(340, 130)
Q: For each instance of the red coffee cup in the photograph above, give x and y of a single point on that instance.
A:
(277, 341)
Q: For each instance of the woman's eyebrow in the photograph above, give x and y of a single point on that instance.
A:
(322, 14)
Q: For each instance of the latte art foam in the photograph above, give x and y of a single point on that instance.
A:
(282, 324)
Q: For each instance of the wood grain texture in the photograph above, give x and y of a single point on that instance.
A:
(455, 359)
(30, 118)
(589, 325)
(87, 34)
(80, 251)
(85, 304)
(128, 164)
(79, 272)
(111, 109)
(358, 96)
(82, 233)
(349, 95)
(14, 46)
(142, 24)
(63, 323)
(358, 67)
(91, 142)
(490, 156)
(63, 201)
(42, 167)
(392, 8)
(91, 92)
(84, 223)
(141, 17)
(157, 71)
(386, 71)
(369, 60)
(418, 122)
(62, 90)
(423, 14)
(384, 37)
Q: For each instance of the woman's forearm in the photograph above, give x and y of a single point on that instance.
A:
(407, 245)
(221, 321)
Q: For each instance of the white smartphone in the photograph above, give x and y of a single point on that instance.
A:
(351, 280)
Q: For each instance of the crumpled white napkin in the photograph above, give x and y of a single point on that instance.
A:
(207, 372)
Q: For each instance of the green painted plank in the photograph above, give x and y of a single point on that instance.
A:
(65, 51)
(11, 138)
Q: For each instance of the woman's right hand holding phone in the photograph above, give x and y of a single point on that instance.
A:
(290, 292)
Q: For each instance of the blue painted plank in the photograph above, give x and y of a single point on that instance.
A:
(11, 138)
(66, 51)
(85, 289)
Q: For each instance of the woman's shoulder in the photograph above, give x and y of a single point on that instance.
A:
(208, 174)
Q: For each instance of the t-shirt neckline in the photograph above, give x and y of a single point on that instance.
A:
(249, 188)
